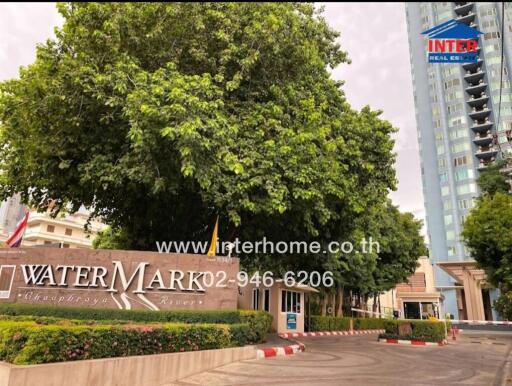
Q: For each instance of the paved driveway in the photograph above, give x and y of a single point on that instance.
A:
(475, 359)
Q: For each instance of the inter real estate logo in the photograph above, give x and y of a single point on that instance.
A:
(452, 42)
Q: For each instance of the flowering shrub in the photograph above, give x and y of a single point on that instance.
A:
(259, 321)
(30, 343)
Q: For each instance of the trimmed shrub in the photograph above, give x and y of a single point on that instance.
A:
(427, 330)
(28, 343)
(259, 321)
(147, 316)
(329, 323)
(240, 334)
(332, 323)
(369, 323)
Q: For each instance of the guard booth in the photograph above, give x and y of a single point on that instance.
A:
(285, 303)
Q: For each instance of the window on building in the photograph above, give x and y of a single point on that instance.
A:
(448, 220)
(492, 35)
(451, 251)
(460, 147)
(266, 300)
(465, 204)
(290, 301)
(443, 177)
(46, 242)
(50, 228)
(486, 24)
(450, 69)
(466, 188)
(68, 232)
(441, 163)
(453, 109)
(463, 174)
(65, 245)
(451, 83)
(458, 133)
(487, 11)
(490, 49)
(450, 235)
(447, 205)
(445, 190)
(255, 298)
(460, 120)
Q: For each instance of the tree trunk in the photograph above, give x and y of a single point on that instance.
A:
(365, 306)
(339, 309)
(324, 305)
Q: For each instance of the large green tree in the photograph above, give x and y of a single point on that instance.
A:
(161, 116)
(488, 234)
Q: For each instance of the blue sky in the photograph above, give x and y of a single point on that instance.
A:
(374, 34)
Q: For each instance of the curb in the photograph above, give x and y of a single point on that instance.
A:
(413, 342)
(279, 351)
(330, 333)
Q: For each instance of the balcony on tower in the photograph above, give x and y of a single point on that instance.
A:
(472, 66)
(478, 114)
(487, 152)
(485, 163)
(467, 19)
(474, 77)
(463, 8)
(482, 126)
(483, 139)
(476, 89)
(478, 100)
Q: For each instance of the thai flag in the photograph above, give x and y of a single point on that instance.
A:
(14, 240)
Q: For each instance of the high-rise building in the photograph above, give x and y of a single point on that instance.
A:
(457, 112)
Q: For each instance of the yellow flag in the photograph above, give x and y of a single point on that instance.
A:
(213, 244)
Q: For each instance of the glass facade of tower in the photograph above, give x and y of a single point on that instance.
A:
(456, 114)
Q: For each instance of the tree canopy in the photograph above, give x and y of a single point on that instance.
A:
(160, 116)
(488, 234)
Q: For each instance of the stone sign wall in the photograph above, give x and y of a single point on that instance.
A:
(117, 279)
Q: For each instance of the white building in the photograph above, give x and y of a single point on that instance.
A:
(66, 230)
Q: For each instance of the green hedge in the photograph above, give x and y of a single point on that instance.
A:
(146, 316)
(427, 330)
(29, 343)
(332, 323)
(329, 323)
(258, 321)
(369, 323)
